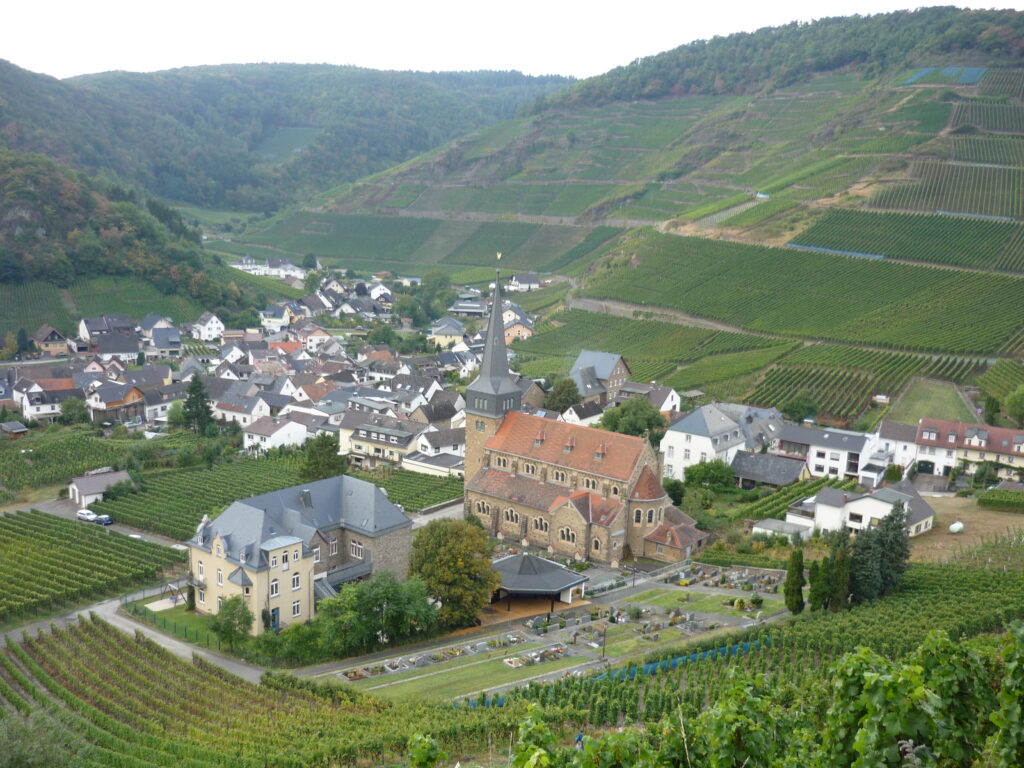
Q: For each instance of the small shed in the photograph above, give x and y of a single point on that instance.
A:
(773, 527)
(88, 489)
(13, 429)
(527, 575)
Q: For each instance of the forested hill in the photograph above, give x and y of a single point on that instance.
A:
(781, 56)
(250, 136)
(58, 226)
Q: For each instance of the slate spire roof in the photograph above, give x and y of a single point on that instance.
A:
(494, 386)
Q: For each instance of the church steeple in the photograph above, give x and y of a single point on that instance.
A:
(493, 393)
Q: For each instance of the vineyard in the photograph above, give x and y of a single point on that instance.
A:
(715, 368)
(954, 598)
(29, 305)
(957, 189)
(651, 348)
(172, 503)
(1003, 82)
(1002, 378)
(1011, 501)
(47, 562)
(916, 237)
(999, 118)
(139, 706)
(775, 505)
(843, 380)
(42, 459)
(818, 295)
(997, 150)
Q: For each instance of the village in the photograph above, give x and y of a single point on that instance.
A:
(574, 514)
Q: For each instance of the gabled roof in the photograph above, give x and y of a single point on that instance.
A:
(648, 487)
(45, 331)
(767, 468)
(823, 438)
(676, 536)
(117, 344)
(586, 410)
(595, 451)
(603, 363)
(166, 338)
(98, 483)
(592, 507)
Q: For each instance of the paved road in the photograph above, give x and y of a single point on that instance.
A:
(453, 512)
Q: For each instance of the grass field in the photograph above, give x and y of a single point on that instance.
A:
(700, 602)
(923, 398)
(980, 525)
(134, 297)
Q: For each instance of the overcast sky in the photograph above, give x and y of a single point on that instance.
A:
(567, 37)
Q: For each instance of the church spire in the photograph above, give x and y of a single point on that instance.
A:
(494, 392)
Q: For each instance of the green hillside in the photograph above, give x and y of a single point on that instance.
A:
(250, 136)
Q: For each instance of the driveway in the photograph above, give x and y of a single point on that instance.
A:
(67, 509)
(452, 512)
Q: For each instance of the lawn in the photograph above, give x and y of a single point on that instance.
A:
(472, 678)
(699, 602)
(381, 682)
(938, 400)
(980, 525)
(189, 625)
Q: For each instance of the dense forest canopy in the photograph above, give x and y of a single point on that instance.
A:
(780, 56)
(201, 134)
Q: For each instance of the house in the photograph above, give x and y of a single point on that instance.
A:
(374, 440)
(239, 409)
(827, 452)
(312, 337)
(91, 328)
(717, 431)
(441, 465)
(434, 442)
(943, 445)
(50, 341)
(468, 307)
(763, 469)
(90, 488)
(160, 399)
(446, 332)
(165, 342)
(151, 322)
(282, 268)
(574, 490)
(664, 399)
(118, 345)
(208, 327)
(898, 441)
(281, 551)
(585, 414)
(116, 403)
(518, 329)
(273, 432)
(831, 509)
(274, 319)
(40, 399)
(599, 375)
(13, 429)
(528, 281)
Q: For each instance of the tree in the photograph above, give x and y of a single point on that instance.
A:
(893, 473)
(819, 575)
(73, 411)
(1015, 405)
(22, 339)
(985, 474)
(322, 459)
(894, 549)
(675, 489)
(992, 409)
(176, 414)
(232, 622)
(309, 261)
(453, 559)
(801, 407)
(196, 410)
(635, 417)
(839, 593)
(140, 359)
(709, 474)
(865, 566)
(562, 396)
(10, 347)
(794, 587)
(312, 282)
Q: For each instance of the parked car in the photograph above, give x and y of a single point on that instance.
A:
(103, 519)
(87, 515)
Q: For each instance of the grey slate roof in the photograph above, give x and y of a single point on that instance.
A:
(585, 410)
(166, 338)
(766, 468)
(532, 575)
(828, 438)
(117, 344)
(251, 526)
(603, 363)
(834, 497)
(890, 430)
(90, 484)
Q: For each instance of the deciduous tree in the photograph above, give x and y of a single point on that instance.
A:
(453, 559)
(73, 411)
(709, 474)
(635, 417)
(562, 396)
(232, 622)
(1015, 405)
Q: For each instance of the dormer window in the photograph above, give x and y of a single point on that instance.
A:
(569, 445)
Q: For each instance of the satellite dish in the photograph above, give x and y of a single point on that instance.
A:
(956, 527)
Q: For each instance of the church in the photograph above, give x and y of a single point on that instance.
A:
(577, 491)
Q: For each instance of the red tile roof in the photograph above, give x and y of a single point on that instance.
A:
(586, 449)
(593, 508)
(288, 347)
(677, 536)
(648, 487)
(55, 385)
(998, 439)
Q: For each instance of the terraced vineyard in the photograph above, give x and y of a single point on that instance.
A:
(989, 149)
(715, 368)
(29, 305)
(138, 706)
(957, 189)
(999, 118)
(1002, 378)
(81, 561)
(817, 295)
(843, 380)
(1003, 82)
(651, 348)
(940, 239)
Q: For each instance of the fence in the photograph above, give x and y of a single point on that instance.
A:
(178, 629)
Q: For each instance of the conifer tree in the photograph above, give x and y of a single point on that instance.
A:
(794, 587)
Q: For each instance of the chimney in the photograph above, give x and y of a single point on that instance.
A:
(307, 499)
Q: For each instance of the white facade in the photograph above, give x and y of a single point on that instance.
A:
(682, 450)
(208, 328)
(267, 433)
